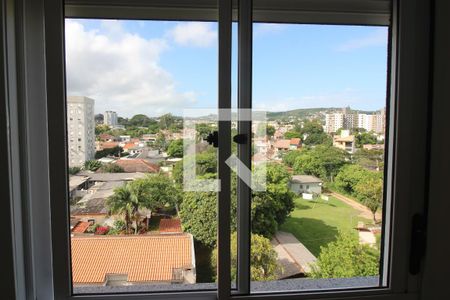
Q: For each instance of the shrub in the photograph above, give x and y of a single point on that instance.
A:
(345, 258)
(101, 230)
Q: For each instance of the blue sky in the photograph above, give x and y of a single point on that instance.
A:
(154, 67)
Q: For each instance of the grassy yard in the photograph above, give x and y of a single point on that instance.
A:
(316, 223)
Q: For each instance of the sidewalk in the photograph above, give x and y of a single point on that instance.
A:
(292, 254)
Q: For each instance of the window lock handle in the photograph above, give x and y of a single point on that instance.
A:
(213, 139)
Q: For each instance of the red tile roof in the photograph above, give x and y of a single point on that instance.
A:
(105, 136)
(137, 165)
(282, 144)
(169, 225)
(129, 145)
(107, 145)
(81, 227)
(143, 258)
(295, 141)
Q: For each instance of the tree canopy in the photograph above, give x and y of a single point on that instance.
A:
(175, 148)
(151, 192)
(263, 259)
(370, 193)
(115, 151)
(345, 258)
(269, 209)
(322, 161)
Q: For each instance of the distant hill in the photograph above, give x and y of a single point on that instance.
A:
(300, 113)
(296, 113)
(308, 112)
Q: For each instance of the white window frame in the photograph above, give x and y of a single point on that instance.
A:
(34, 86)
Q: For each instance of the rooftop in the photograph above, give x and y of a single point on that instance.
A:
(295, 141)
(141, 258)
(137, 165)
(81, 227)
(306, 179)
(169, 225)
(112, 176)
(282, 144)
(75, 181)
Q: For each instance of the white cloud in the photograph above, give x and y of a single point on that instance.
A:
(377, 38)
(267, 28)
(120, 70)
(194, 34)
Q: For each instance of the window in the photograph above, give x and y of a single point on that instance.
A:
(395, 243)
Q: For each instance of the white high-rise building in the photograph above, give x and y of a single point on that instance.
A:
(80, 129)
(375, 123)
(110, 118)
(333, 122)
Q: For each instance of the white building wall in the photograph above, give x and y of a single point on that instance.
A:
(80, 129)
(110, 118)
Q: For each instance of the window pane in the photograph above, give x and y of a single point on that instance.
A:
(134, 219)
(324, 90)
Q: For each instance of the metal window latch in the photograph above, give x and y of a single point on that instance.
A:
(240, 138)
(418, 243)
(213, 139)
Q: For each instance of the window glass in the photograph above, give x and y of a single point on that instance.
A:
(324, 90)
(134, 220)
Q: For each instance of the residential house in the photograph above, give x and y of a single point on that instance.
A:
(345, 141)
(306, 184)
(137, 165)
(112, 260)
(295, 143)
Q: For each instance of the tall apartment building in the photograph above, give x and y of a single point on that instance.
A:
(110, 118)
(333, 122)
(347, 120)
(336, 121)
(80, 129)
(375, 123)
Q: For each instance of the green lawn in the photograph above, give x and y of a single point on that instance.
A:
(316, 223)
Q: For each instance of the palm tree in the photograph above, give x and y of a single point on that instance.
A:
(121, 203)
(139, 199)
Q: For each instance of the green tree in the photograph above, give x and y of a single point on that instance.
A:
(263, 259)
(322, 161)
(365, 138)
(161, 190)
(121, 203)
(115, 151)
(165, 121)
(292, 134)
(175, 148)
(345, 258)
(198, 213)
(270, 130)
(290, 157)
(203, 129)
(369, 159)
(161, 142)
(370, 193)
(92, 165)
(140, 120)
(313, 131)
(269, 209)
(349, 176)
(99, 129)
